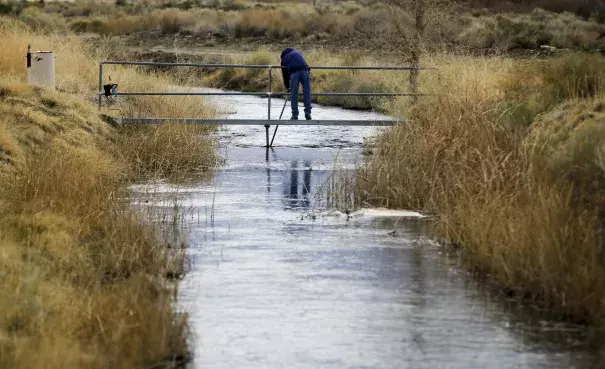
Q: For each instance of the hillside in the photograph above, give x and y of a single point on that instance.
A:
(354, 25)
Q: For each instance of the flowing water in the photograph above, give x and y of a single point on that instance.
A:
(277, 282)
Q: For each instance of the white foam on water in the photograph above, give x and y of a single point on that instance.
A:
(387, 213)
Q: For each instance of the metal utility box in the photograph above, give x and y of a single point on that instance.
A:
(41, 69)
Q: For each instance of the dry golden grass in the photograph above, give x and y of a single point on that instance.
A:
(293, 20)
(74, 68)
(460, 125)
(81, 274)
(33, 115)
(464, 157)
(344, 24)
(79, 268)
(171, 149)
(77, 73)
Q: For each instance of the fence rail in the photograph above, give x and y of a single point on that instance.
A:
(265, 94)
(268, 94)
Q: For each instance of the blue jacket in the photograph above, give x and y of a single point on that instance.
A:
(292, 61)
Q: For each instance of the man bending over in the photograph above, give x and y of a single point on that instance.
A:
(296, 71)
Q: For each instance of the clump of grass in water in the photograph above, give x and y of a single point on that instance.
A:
(340, 191)
(172, 220)
(337, 192)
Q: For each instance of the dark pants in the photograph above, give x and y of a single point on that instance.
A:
(296, 78)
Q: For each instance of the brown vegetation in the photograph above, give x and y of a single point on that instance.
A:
(81, 273)
(171, 149)
(523, 204)
(78, 266)
(368, 25)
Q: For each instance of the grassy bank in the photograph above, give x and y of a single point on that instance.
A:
(77, 74)
(82, 275)
(508, 154)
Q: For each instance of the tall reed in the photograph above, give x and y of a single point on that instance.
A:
(465, 156)
(81, 273)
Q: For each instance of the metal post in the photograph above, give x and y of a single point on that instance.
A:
(28, 56)
(269, 91)
(100, 83)
(280, 116)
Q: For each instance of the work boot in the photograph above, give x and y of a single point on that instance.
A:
(294, 118)
(308, 116)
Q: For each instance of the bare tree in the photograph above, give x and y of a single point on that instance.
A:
(410, 19)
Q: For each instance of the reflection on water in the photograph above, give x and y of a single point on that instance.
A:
(270, 288)
(298, 192)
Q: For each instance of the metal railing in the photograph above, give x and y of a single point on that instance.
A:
(269, 94)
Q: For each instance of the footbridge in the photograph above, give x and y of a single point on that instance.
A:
(110, 91)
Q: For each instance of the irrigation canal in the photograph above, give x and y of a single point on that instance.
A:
(271, 287)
